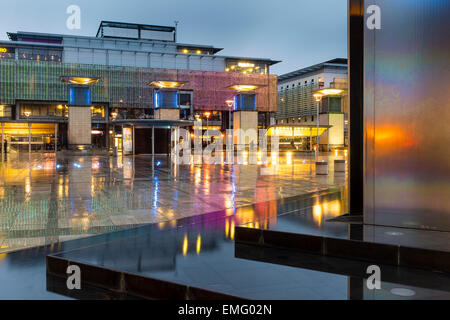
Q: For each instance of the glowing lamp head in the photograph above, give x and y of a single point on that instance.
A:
(229, 103)
(317, 97)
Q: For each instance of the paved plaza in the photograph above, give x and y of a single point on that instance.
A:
(46, 199)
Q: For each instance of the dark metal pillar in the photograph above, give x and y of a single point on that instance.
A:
(356, 96)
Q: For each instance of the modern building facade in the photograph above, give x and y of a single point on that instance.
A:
(133, 78)
(297, 107)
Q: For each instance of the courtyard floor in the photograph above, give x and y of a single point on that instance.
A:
(46, 199)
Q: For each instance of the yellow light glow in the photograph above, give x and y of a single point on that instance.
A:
(274, 158)
(317, 97)
(3, 50)
(185, 51)
(198, 245)
(227, 228)
(317, 213)
(80, 80)
(289, 158)
(244, 87)
(199, 52)
(329, 92)
(185, 245)
(59, 106)
(232, 230)
(286, 131)
(246, 65)
(167, 84)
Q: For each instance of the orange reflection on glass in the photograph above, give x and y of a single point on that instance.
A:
(198, 245)
(289, 158)
(227, 228)
(317, 213)
(232, 230)
(185, 245)
(274, 158)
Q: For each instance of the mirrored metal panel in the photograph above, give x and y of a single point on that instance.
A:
(407, 113)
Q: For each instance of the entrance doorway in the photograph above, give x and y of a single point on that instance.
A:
(143, 141)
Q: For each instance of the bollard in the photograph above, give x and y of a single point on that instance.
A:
(339, 165)
(321, 168)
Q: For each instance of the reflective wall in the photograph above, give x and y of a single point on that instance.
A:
(407, 115)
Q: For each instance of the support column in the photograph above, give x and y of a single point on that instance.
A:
(134, 142)
(121, 141)
(356, 101)
(80, 127)
(153, 150)
(56, 138)
(108, 137)
(245, 120)
(3, 140)
(29, 137)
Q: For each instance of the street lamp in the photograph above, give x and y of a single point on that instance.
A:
(317, 98)
(230, 106)
(207, 114)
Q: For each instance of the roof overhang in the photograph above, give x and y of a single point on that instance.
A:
(145, 123)
(163, 84)
(78, 80)
(329, 92)
(245, 87)
(296, 131)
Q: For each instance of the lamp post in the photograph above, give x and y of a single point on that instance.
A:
(317, 98)
(230, 106)
(207, 114)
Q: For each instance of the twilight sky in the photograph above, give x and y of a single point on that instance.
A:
(298, 32)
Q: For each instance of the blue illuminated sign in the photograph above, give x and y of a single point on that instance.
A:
(79, 96)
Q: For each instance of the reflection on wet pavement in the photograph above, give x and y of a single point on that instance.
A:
(200, 252)
(44, 199)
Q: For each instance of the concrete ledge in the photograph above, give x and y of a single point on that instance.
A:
(345, 248)
(125, 284)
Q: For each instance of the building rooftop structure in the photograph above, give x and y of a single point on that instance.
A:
(126, 43)
(337, 63)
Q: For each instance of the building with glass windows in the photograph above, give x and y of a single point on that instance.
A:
(297, 107)
(66, 91)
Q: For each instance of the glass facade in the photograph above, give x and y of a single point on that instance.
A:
(46, 111)
(130, 113)
(297, 101)
(40, 54)
(126, 87)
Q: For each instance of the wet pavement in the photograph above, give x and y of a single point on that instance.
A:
(200, 252)
(46, 199)
(23, 273)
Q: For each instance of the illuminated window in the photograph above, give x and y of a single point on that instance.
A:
(40, 54)
(5, 111)
(7, 53)
(246, 67)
